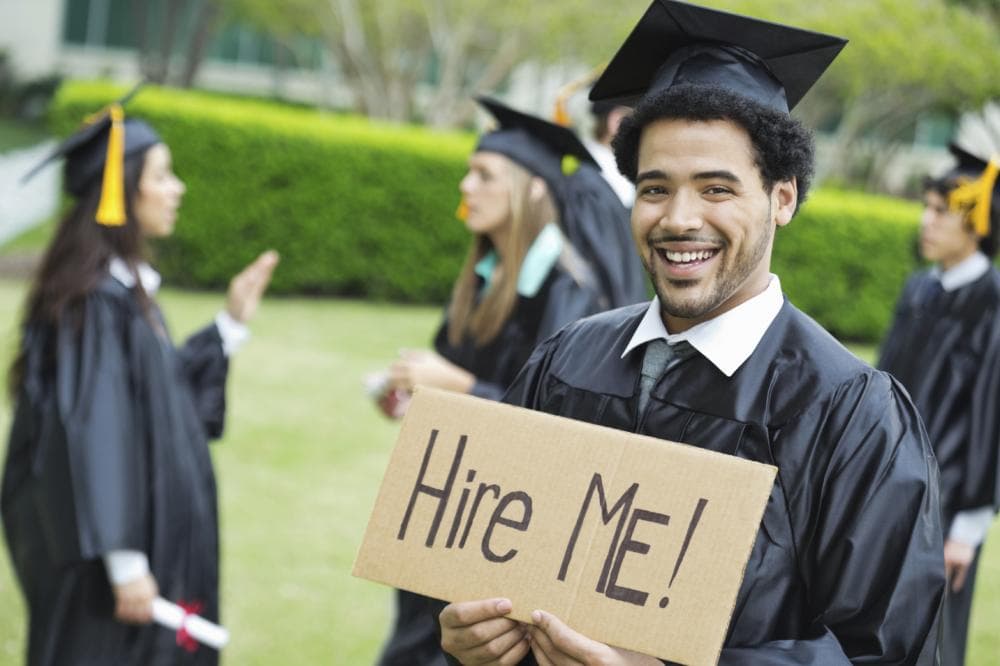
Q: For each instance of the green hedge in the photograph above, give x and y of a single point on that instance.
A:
(362, 209)
(355, 208)
(844, 259)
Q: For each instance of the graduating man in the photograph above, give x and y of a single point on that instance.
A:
(944, 346)
(847, 565)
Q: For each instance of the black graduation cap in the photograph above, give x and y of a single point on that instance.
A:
(601, 106)
(678, 43)
(978, 188)
(538, 145)
(99, 148)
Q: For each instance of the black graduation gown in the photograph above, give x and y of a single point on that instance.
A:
(847, 566)
(597, 225)
(108, 451)
(944, 347)
(416, 637)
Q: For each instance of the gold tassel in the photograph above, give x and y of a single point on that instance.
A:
(111, 211)
(976, 196)
(463, 210)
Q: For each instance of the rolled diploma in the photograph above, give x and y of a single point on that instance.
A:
(172, 616)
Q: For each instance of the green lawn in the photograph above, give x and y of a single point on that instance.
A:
(298, 472)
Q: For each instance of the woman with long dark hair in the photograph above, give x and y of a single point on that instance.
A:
(521, 282)
(108, 495)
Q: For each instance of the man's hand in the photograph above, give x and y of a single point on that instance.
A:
(554, 644)
(134, 600)
(419, 367)
(476, 632)
(958, 558)
(247, 287)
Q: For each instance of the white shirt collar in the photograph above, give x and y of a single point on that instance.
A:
(147, 275)
(965, 272)
(727, 340)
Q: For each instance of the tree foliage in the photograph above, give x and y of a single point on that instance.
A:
(423, 59)
(904, 58)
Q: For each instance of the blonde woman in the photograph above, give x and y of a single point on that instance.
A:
(521, 282)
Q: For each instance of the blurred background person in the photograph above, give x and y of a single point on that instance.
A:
(521, 282)
(600, 230)
(944, 346)
(108, 495)
(608, 116)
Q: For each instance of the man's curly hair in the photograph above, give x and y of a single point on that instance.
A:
(783, 147)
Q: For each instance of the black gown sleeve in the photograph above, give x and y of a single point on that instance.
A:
(597, 224)
(981, 485)
(871, 553)
(528, 387)
(891, 344)
(567, 301)
(89, 458)
(206, 367)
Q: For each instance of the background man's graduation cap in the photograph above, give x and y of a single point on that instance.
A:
(99, 148)
(676, 43)
(978, 188)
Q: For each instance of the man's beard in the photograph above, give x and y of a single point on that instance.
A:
(727, 280)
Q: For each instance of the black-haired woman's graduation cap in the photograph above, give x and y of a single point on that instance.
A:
(677, 43)
(99, 148)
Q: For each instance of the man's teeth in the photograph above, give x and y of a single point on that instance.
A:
(687, 257)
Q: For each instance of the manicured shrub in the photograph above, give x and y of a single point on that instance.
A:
(844, 259)
(355, 208)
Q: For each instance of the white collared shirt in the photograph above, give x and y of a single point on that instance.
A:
(965, 272)
(727, 340)
(147, 275)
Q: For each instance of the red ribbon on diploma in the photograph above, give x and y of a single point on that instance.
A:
(183, 638)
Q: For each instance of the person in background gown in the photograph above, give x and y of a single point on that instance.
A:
(608, 117)
(108, 495)
(944, 347)
(847, 565)
(521, 282)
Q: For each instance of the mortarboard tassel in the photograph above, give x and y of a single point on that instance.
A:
(560, 115)
(976, 196)
(111, 211)
(462, 212)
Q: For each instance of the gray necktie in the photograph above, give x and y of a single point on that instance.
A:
(657, 359)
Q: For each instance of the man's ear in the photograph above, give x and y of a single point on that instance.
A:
(537, 189)
(784, 199)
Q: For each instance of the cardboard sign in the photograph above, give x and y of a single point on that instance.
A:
(631, 540)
